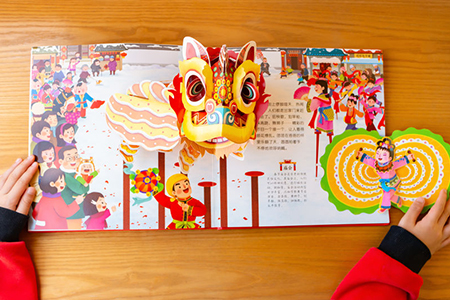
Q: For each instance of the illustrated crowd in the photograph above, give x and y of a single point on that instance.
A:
(59, 99)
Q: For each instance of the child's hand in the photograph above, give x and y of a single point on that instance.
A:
(433, 230)
(79, 199)
(14, 191)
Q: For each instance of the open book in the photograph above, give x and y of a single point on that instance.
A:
(146, 136)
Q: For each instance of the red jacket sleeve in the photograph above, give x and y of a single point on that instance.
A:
(377, 276)
(17, 275)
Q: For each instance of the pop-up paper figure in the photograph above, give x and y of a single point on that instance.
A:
(213, 105)
(394, 171)
(386, 167)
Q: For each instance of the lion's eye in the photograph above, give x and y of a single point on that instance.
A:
(249, 93)
(195, 89)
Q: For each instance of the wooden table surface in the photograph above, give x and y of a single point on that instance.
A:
(297, 263)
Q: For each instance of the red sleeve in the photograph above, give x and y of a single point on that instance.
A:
(163, 199)
(17, 275)
(199, 209)
(377, 276)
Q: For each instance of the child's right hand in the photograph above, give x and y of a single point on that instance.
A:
(15, 194)
(433, 230)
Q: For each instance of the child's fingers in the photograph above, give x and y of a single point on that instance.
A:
(5, 175)
(444, 217)
(410, 218)
(22, 183)
(437, 209)
(16, 173)
(26, 200)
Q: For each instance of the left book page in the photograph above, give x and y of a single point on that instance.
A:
(113, 125)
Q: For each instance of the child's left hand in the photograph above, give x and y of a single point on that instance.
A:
(15, 194)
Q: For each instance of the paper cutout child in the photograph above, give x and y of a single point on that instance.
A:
(183, 208)
(351, 112)
(96, 208)
(86, 171)
(371, 111)
(51, 211)
(386, 168)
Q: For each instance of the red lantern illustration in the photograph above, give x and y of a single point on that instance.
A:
(123, 54)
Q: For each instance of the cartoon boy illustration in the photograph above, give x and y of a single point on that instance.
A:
(183, 208)
(82, 97)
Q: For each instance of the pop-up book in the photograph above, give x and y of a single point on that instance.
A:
(146, 136)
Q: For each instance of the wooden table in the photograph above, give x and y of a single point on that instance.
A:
(298, 263)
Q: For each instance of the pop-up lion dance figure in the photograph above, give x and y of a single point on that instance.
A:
(213, 105)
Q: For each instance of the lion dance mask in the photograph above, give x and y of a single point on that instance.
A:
(213, 105)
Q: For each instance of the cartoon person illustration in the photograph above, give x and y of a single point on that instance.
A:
(265, 66)
(370, 111)
(96, 208)
(86, 171)
(183, 208)
(65, 135)
(351, 112)
(34, 71)
(73, 62)
(84, 75)
(51, 211)
(82, 97)
(69, 161)
(59, 74)
(51, 118)
(112, 65)
(321, 105)
(386, 167)
(41, 75)
(304, 71)
(67, 82)
(35, 90)
(96, 67)
(48, 68)
(45, 153)
(47, 97)
(40, 130)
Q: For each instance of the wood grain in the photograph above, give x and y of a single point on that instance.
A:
(300, 263)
